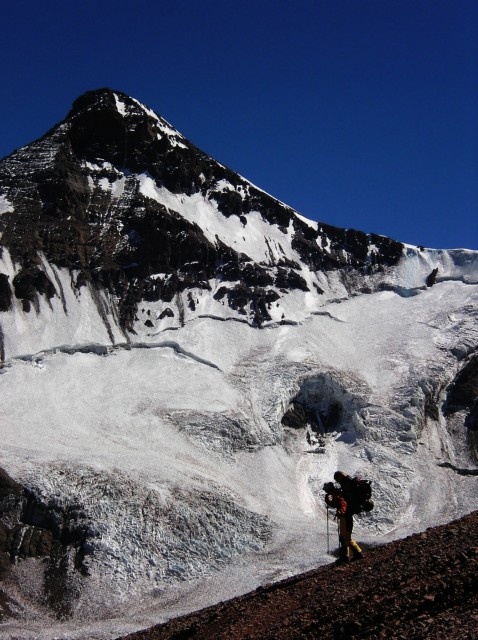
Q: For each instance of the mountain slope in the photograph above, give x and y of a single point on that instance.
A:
(116, 205)
(424, 586)
(185, 361)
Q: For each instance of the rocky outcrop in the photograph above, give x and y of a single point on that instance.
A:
(431, 279)
(54, 535)
(295, 417)
(463, 393)
(5, 293)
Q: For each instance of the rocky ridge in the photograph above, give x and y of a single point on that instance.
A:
(85, 198)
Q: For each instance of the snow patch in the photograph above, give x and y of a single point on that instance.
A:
(120, 105)
(311, 223)
(5, 205)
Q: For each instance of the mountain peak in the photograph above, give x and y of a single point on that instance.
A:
(122, 200)
(119, 129)
(106, 99)
(95, 98)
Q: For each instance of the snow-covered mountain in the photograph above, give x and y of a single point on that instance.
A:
(185, 360)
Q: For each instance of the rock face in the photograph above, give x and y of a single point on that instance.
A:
(115, 204)
(90, 197)
(33, 528)
(463, 393)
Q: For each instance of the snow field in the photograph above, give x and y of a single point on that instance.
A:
(177, 455)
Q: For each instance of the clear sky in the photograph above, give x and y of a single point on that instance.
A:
(358, 113)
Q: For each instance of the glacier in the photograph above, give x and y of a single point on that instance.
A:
(184, 472)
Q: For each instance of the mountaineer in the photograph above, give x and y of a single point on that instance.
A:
(348, 547)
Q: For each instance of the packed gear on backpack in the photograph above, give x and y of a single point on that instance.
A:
(357, 492)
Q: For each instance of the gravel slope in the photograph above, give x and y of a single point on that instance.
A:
(424, 586)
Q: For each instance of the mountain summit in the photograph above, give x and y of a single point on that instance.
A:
(185, 360)
(130, 207)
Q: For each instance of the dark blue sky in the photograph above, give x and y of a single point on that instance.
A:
(358, 113)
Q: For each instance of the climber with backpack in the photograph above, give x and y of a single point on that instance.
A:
(348, 547)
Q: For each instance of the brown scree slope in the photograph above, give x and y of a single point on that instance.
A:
(422, 587)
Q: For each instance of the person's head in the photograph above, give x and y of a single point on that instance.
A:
(339, 476)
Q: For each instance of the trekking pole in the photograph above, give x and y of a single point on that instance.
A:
(328, 544)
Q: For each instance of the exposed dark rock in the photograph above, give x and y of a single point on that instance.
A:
(5, 293)
(460, 470)
(295, 417)
(191, 303)
(64, 208)
(463, 393)
(33, 528)
(251, 275)
(432, 390)
(9, 489)
(333, 248)
(431, 279)
(2, 348)
(167, 313)
(257, 301)
(472, 419)
(28, 283)
(229, 202)
(261, 302)
(290, 279)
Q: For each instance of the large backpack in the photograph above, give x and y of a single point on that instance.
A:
(360, 495)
